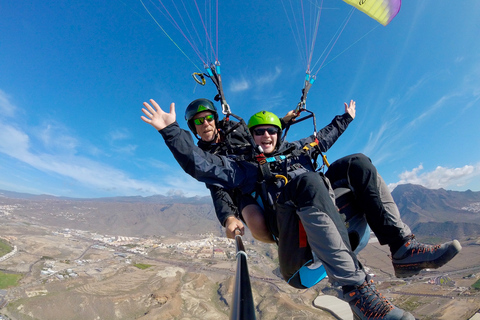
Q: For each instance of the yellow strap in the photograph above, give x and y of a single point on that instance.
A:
(324, 157)
(282, 177)
(311, 144)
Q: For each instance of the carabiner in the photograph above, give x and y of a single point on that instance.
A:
(200, 81)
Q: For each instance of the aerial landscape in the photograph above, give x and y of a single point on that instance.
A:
(107, 210)
(139, 258)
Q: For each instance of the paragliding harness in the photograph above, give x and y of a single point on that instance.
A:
(298, 265)
(256, 152)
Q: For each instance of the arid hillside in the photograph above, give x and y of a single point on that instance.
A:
(167, 258)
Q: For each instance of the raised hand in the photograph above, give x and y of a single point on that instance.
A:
(350, 109)
(156, 117)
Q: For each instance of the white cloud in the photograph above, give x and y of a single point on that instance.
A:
(238, 85)
(128, 149)
(376, 139)
(158, 164)
(52, 150)
(441, 102)
(441, 177)
(119, 134)
(116, 137)
(243, 84)
(13, 142)
(55, 136)
(270, 78)
(6, 107)
(183, 184)
(16, 144)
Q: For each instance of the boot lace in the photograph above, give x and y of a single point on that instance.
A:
(416, 247)
(372, 303)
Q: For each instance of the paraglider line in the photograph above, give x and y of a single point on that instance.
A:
(216, 26)
(346, 49)
(336, 35)
(296, 36)
(351, 13)
(174, 22)
(305, 35)
(206, 32)
(192, 42)
(317, 23)
(168, 36)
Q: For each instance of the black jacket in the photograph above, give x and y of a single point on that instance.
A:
(226, 171)
(235, 142)
(221, 171)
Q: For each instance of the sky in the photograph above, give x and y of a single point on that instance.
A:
(74, 75)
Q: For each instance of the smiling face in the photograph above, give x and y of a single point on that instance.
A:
(207, 130)
(266, 136)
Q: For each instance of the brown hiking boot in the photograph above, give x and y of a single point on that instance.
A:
(367, 303)
(414, 256)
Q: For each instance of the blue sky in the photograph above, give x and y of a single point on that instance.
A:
(74, 74)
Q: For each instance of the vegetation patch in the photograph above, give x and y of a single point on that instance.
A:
(476, 285)
(5, 247)
(411, 304)
(142, 266)
(8, 280)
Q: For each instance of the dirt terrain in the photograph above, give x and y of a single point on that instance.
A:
(74, 267)
(91, 280)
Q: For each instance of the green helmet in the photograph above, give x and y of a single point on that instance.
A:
(197, 106)
(264, 118)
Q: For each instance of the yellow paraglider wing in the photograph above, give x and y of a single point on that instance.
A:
(381, 10)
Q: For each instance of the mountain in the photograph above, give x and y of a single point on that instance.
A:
(439, 213)
(127, 216)
(435, 214)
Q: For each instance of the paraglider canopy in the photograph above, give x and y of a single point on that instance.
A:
(381, 10)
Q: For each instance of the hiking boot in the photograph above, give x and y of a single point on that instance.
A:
(367, 303)
(414, 256)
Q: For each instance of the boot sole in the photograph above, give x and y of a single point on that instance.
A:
(410, 270)
(406, 316)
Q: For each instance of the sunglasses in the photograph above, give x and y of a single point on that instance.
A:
(200, 121)
(261, 131)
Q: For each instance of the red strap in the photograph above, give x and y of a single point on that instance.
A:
(302, 235)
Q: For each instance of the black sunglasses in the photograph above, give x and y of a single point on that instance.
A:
(261, 131)
(201, 120)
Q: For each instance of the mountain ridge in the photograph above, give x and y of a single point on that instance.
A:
(438, 212)
(434, 213)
